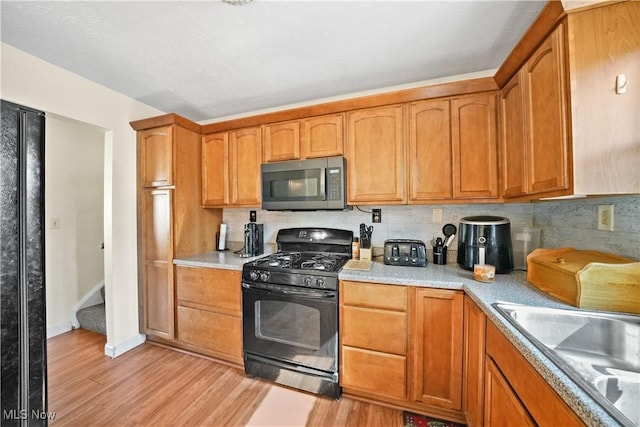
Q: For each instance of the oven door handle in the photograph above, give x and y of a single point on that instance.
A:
(310, 294)
(315, 294)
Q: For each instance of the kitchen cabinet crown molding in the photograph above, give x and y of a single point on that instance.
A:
(165, 120)
(461, 87)
(548, 19)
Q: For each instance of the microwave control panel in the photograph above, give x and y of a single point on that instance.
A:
(334, 183)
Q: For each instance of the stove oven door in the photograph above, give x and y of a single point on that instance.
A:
(292, 325)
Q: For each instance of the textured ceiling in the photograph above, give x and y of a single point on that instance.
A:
(209, 59)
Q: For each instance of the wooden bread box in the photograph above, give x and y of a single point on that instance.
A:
(586, 279)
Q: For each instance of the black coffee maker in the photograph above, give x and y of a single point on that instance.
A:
(253, 240)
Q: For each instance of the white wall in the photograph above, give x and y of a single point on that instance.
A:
(32, 82)
(74, 201)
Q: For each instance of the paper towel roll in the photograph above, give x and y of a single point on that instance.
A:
(223, 237)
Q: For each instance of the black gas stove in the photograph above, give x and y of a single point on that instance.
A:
(306, 257)
(290, 310)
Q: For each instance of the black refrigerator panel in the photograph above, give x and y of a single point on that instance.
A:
(22, 279)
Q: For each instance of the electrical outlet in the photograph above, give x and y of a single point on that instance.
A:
(376, 215)
(605, 217)
(253, 216)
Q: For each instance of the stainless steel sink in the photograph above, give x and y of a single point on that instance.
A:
(599, 351)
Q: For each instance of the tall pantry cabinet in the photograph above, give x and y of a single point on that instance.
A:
(171, 221)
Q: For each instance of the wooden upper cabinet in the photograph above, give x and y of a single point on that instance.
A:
(513, 153)
(231, 168)
(430, 150)
(323, 136)
(156, 156)
(604, 42)
(437, 326)
(215, 170)
(245, 148)
(314, 137)
(475, 146)
(375, 153)
(546, 116)
(282, 142)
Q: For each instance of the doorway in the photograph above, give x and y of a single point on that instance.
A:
(74, 218)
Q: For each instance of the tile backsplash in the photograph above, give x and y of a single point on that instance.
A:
(564, 223)
(574, 223)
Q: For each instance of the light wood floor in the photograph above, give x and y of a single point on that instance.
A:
(155, 386)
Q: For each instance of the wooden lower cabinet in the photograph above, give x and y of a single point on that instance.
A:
(503, 406)
(402, 346)
(507, 374)
(209, 312)
(373, 336)
(155, 260)
(437, 343)
(475, 323)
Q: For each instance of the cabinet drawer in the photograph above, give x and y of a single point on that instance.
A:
(375, 329)
(212, 331)
(210, 289)
(373, 295)
(379, 373)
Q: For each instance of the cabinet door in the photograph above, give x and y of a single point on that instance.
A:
(323, 136)
(603, 42)
(546, 121)
(215, 170)
(376, 156)
(282, 142)
(514, 178)
(156, 152)
(245, 147)
(429, 150)
(475, 147)
(474, 356)
(437, 347)
(503, 408)
(157, 264)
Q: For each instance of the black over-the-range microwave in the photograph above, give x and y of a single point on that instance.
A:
(303, 185)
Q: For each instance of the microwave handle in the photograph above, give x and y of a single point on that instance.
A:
(323, 183)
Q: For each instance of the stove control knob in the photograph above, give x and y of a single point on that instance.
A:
(264, 276)
(320, 282)
(307, 281)
(254, 275)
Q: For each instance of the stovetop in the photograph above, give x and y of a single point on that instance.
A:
(306, 257)
(303, 269)
(297, 262)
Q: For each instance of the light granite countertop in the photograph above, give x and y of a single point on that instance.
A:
(511, 287)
